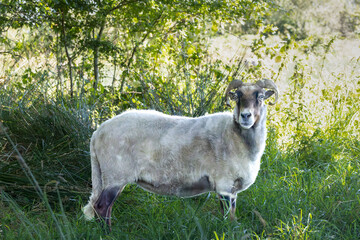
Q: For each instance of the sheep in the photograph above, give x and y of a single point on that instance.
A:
(181, 156)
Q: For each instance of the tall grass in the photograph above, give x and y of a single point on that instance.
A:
(288, 201)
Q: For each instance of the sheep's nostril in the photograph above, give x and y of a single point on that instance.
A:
(245, 115)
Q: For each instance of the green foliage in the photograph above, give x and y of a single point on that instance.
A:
(69, 66)
(125, 33)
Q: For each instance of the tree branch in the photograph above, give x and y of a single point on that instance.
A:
(121, 5)
(11, 53)
(96, 55)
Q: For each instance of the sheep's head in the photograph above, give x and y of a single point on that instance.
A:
(249, 98)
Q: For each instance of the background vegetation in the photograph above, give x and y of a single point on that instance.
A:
(66, 66)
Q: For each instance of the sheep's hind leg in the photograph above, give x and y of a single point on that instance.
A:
(103, 205)
(228, 204)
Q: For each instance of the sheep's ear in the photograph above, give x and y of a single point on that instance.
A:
(233, 96)
(269, 93)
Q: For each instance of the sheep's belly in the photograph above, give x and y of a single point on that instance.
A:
(178, 188)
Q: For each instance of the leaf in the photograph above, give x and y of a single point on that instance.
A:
(191, 50)
(323, 91)
(214, 27)
(278, 59)
(283, 49)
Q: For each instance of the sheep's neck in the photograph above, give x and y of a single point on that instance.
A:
(254, 137)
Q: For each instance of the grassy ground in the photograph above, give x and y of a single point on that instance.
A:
(290, 200)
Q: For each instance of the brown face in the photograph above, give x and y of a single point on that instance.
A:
(249, 100)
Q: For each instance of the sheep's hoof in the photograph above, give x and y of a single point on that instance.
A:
(233, 218)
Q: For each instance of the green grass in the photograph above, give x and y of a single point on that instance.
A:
(288, 201)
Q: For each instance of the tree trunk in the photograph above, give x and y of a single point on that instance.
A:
(70, 71)
(64, 40)
(58, 63)
(96, 67)
(114, 73)
(96, 55)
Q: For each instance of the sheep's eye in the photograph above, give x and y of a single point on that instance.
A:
(233, 96)
(261, 97)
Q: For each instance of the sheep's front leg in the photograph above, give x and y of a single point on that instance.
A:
(104, 204)
(228, 204)
(232, 209)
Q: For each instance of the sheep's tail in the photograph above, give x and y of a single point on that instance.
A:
(96, 179)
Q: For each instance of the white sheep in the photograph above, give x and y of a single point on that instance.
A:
(181, 156)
